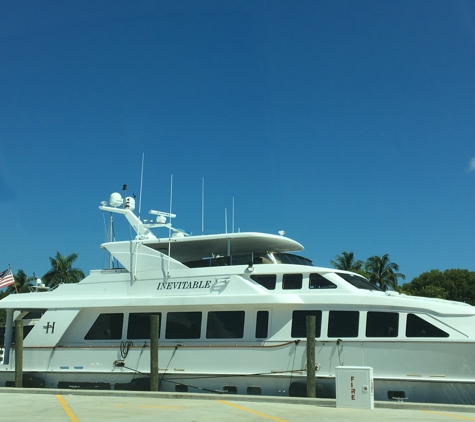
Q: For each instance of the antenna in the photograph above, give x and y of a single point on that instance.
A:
(202, 205)
(141, 183)
(110, 239)
(226, 220)
(232, 226)
(170, 226)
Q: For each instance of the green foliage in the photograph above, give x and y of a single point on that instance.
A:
(3, 313)
(379, 270)
(62, 270)
(453, 284)
(346, 261)
(22, 283)
(382, 272)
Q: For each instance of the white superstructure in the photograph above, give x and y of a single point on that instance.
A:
(232, 313)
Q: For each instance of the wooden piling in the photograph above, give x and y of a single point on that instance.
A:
(154, 328)
(311, 385)
(19, 353)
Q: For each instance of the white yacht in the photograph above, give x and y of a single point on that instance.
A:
(232, 309)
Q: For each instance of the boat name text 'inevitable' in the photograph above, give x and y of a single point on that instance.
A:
(181, 285)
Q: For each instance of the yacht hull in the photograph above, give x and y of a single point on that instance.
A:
(423, 391)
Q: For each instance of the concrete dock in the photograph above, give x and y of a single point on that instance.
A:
(88, 406)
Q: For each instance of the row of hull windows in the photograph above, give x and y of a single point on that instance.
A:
(378, 324)
(179, 325)
(230, 325)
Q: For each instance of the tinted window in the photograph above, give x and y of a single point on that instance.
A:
(299, 323)
(382, 324)
(287, 258)
(26, 331)
(34, 315)
(292, 281)
(417, 327)
(106, 327)
(317, 281)
(262, 324)
(225, 324)
(139, 325)
(343, 324)
(245, 259)
(267, 281)
(183, 325)
(358, 281)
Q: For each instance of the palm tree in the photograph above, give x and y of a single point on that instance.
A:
(22, 283)
(382, 272)
(62, 270)
(346, 261)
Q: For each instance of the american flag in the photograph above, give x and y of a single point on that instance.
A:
(6, 278)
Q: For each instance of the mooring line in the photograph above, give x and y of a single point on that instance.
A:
(67, 409)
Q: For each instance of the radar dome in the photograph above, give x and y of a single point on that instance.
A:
(116, 200)
(161, 219)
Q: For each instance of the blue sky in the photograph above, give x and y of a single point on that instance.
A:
(348, 124)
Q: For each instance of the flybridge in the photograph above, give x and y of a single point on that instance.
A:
(202, 250)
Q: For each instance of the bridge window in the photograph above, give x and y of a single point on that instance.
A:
(418, 327)
(268, 281)
(382, 324)
(317, 281)
(358, 281)
(292, 281)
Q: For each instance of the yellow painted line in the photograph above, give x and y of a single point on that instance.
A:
(245, 409)
(450, 415)
(67, 409)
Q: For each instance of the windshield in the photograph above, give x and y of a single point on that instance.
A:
(358, 281)
(254, 258)
(288, 258)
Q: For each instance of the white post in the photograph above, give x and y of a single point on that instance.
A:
(8, 337)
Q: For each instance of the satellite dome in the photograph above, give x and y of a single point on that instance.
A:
(130, 203)
(161, 219)
(116, 200)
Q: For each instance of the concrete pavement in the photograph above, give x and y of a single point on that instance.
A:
(89, 406)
